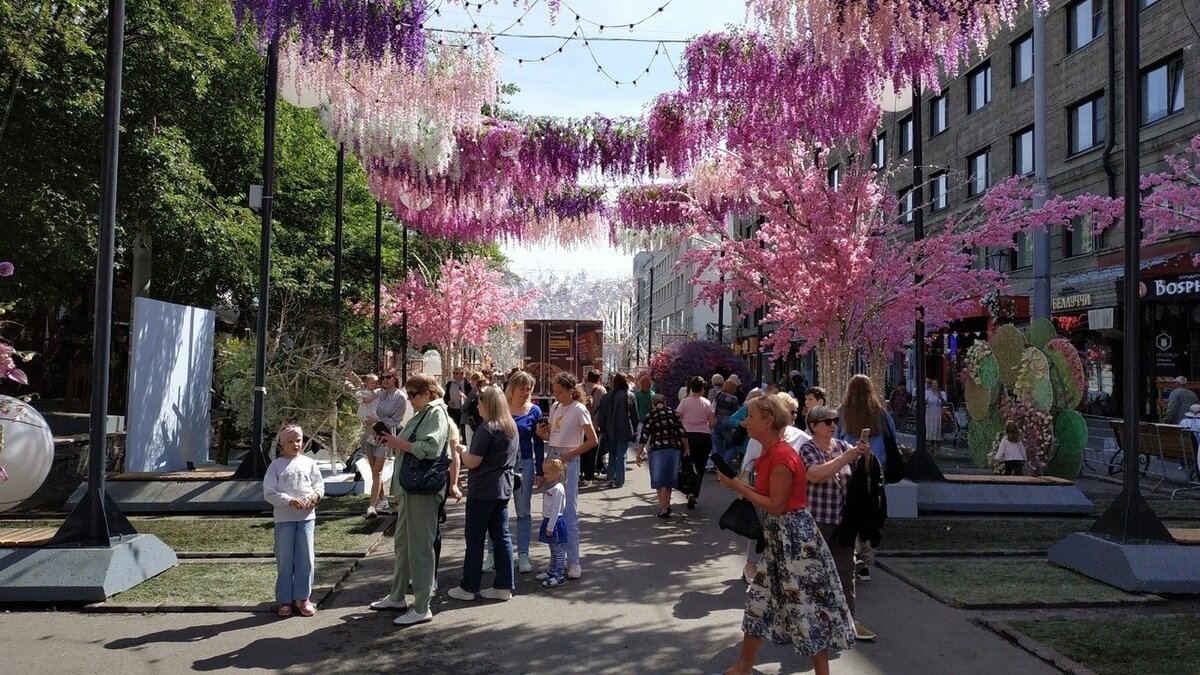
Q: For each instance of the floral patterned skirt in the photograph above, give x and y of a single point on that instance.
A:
(796, 597)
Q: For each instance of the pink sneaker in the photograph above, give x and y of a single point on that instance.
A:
(284, 610)
(307, 608)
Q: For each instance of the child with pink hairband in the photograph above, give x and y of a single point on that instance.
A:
(293, 485)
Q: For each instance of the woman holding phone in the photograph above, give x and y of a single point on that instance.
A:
(862, 414)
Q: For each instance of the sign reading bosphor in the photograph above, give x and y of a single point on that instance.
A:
(26, 451)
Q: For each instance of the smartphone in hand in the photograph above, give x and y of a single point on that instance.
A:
(865, 435)
(380, 429)
(722, 465)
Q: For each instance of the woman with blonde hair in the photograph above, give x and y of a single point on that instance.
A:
(426, 436)
(490, 460)
(794, 597)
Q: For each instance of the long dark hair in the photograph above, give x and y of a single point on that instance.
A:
(861, 409)
(620, 382)
(567, 381)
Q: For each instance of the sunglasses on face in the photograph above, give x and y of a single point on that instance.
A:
(414, 394)
(387, 377)
(831, 421)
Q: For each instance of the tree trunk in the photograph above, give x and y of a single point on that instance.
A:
(834, 364)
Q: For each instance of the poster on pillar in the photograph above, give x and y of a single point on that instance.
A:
(169, 386)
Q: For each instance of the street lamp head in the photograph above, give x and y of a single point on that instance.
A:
(999, 261)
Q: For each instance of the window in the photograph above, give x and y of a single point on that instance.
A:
(939, 188)
(1162, 90)
(835, 177)
(1022, 152)
(879, 151)
(906, 137)
(1086, 122)
(938, 119)
(1079, 240)
(1023, 250)
(1022, 59)
(1085, 22)
(980, 83)
(906, 205)
(1146, 3)
(979, 173)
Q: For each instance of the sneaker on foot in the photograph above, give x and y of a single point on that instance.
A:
(523, 564)
(501, 594)
(691, 502)
(489, 564)
(386, 603)
(574, 571)
(552, 582)
(665, 514)
(459, 594)
(411, 617)
(371, 511)
(382, 505)
(284, 610)
(306, 607)
(862, 633)
(543, 575)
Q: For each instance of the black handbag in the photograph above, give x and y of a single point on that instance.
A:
(894, 470)
(423, 476)
(688, 481)
(742, 518)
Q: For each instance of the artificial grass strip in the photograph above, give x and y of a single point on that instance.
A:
(977, 534)
(218, 584)
(1007, 582)
(1147, 645)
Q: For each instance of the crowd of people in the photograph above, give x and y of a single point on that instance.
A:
(813, 473)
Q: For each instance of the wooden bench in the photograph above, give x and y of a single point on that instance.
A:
(1170, 443)
(994, 479)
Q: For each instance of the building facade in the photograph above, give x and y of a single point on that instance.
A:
(665, 306)
(978, 130)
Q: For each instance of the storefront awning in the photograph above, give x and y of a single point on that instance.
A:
(1175, 263)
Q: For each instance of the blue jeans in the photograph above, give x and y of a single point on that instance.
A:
(523, 499)
(616, 452)
(295, 558)
(571, 509)
(720, 439)
(487, 517)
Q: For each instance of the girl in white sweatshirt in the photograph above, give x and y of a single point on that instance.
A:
(293, 485)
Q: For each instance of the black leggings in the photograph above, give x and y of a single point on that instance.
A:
(1014, 467)
(699, 448)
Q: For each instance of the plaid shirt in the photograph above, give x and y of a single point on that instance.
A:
(826, 500)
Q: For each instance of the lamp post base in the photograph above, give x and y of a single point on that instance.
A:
(83, 573)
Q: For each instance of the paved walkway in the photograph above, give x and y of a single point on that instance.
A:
(656, 597)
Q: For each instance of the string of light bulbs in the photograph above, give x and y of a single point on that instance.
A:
(581, 19)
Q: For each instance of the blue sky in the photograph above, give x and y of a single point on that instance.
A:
(568, 84)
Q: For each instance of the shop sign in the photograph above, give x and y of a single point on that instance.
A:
(1068, 302)
(1168, 353)
(1174, 287)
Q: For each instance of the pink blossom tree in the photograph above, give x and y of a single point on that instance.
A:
(455, 308)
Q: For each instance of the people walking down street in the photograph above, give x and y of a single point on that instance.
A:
(533, 451)
(455, 396)
(644, 396)
(553, 530)
(391, 404)
(425, 437)
(616, 421)
(725, 404)
(696, 412)
(828, 463)
(664, 440)
(493, 453)
(795, 597)
(899, 402)
(591, 461)
(293, 486)
(1179, 401)
(795, 436)
(935, 399)
(569, 432)
(718, 383)
(862, 409)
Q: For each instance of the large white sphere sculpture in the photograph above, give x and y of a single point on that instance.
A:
(26, 451)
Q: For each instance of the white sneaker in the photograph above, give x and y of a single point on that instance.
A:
(382, 505)
(459, 594)
(371, 512)
(523, 564)
(411, 617)
(502, 594)
(574, 571)
(386, 602)
(489, 564)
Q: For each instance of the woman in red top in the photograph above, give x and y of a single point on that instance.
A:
(795, 597)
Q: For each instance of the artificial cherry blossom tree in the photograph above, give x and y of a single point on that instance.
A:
(454, 309)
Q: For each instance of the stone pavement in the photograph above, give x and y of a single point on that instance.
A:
(656, 597)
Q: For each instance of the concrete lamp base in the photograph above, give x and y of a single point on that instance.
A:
(81, 573)
(1152, 567)
(985, 498)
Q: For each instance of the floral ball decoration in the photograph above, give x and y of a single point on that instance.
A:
(1071, 433)
(1040, 332)
(1068, 371)
(26, 451)
(1008, 345)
